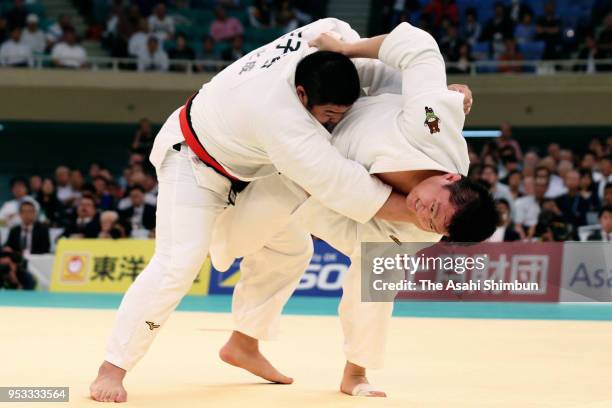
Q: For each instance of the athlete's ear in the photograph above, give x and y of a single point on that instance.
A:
(452, 177)
(301, 93)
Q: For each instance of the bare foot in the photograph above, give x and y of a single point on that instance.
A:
(353, 376)
(108, 386)
(243, 351)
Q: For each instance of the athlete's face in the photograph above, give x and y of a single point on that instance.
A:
(328, 115)
(430, 202)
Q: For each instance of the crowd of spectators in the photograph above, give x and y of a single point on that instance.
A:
(514, 32)
(552, 195)
(155, 40)
(77, 205)
(21, 38)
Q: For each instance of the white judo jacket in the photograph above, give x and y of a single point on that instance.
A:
(250, 119)
(385, 133)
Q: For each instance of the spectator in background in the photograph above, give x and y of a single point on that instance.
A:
(104, 199)
(514, 180)
(463, 61)
(4, 31)
(260, 14)
(138, 215)
(110, 228)
(65, 193)
(509, 163)
(16, 16)
(181, 51)
(589, 51)
(510, 54)
(15, 53)
(548, 29)
(55, 33)
(13, 272)
(439, 10)
(525, 31)
(9, 212)
(497, 29)
(555, 183)
(587, 190)
(605, 175)
(161, 24)
(572, 205)
(51, 207)
(68, 53)
(286, 17)
(471, 29)
(143, 138)
(527, 208)
(77, 182)
(506, 139)
(225, 28)
(207, 53)
(35, 184)
(30, 236)
(153, 58)
(506, 231)
(236, 51)
(498, 190)
(607, 198)
(138, 41)
(33, 36)
(449, 43)
(86, 223)
(517, 10)
(605, 223)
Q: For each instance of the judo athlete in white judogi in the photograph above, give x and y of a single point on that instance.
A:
(393, 137)
(262, 115)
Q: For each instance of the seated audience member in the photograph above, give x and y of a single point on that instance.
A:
(527, 208)
(497, 189)
(55, 33)
(65, 193)
(181, 52)
(206, 54)
(110, 228)
(9, 212)
(68, 53)
(139, 214)
(506, 230)
(572, 205)
(33, 36)
(525, 31)
(51, 207)
(224, 27)
(605, 174)
(30, 236)
(260, 14)
(607, 197)
(14, 52)
(587, 190)
(605, 222)
(13, 272)
(35, 184)
(509, 56)
(236, 51)
(138, 41)
(86, 223)
(153, 58)
(143, 138)
(16, 16)
(104, 199)
(161, 24)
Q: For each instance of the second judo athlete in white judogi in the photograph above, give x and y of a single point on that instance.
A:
(388, 134)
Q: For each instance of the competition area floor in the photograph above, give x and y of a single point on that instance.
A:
(440, 355)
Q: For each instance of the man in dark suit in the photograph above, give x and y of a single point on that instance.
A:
(605, 222)
(87, 221)
(139, 214)
(30, 236)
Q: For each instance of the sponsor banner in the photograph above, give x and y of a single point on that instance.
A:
(107, 266)
(323, 277)
(515, 272)
(587, 272)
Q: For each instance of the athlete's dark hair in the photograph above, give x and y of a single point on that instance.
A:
(328, 77)
(475, 216)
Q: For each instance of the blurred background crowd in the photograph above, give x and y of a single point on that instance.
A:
(162, 36)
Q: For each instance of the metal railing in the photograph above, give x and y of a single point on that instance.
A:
(472, 68)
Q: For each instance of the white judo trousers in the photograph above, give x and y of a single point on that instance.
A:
(190, 198)
(270, 227)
